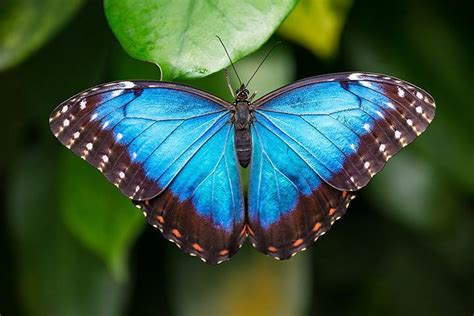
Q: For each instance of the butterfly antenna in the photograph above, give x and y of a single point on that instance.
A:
(261, 63)
(227, 53)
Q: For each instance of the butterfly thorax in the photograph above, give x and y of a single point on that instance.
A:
(242, 118)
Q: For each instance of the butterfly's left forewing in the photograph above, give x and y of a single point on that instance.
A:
(318, 140)
(167, 147)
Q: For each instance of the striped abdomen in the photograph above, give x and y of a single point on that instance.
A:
(243, 145)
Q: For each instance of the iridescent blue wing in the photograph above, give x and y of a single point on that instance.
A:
(318, 140)
(167, 147)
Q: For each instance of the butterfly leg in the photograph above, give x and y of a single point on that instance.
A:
(227, 79)
(252, 96)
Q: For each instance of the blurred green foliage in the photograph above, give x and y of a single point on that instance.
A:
(70, 244)
(25, 25)
(55, 274)
(316, 25)
(105, 223)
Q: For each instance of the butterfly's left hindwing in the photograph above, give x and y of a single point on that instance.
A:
(318, 140)
(166, 146)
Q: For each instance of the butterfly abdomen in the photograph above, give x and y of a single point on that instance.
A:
(243, 146)
(242, 135)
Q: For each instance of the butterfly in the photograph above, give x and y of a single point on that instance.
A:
(175, 151)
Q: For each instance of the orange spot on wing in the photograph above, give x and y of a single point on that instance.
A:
(298, 242)
(272, 249)
(224, 252)
(332, 211)
(197, 247)
(344, 194)
(317, 227)
(160, 219)
(176, 233)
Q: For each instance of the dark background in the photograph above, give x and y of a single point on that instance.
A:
(404, 248)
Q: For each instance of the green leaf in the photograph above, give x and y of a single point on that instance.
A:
(180, 36)
(25, 25)
(55, 275)
(96, 213)
(317, 25)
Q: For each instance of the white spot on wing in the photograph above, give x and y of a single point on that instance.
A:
(419, 109)
(401, 93)
(89, 146)
(366, 165)
(121, 175)
(419, 95)
(116, 93)
(105, 158)
(119, 136)
(354, 76)
(94, 116)
(83, 104)
(366, 84)
(76, 135)
(379, 114)
(105, 124)
(398, 134)
(127, 84)
(66, 122)
(367, 127)
(382, 147)
(410, 122)
(64, 109)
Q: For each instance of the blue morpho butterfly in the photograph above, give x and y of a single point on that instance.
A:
(175, 151)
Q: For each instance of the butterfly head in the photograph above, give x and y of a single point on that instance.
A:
(241, 94)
